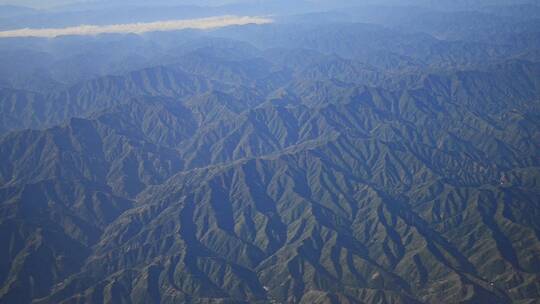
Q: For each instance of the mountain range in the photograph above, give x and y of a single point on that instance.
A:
(318, 159)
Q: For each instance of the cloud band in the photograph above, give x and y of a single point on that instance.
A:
(138, 28)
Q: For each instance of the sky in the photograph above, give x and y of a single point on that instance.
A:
(55, 3)
(36, 3)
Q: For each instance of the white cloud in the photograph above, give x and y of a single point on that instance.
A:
(137, 28)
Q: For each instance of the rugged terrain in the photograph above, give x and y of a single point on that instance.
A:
(288, 163)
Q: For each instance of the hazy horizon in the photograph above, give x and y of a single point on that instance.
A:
(137, 28)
